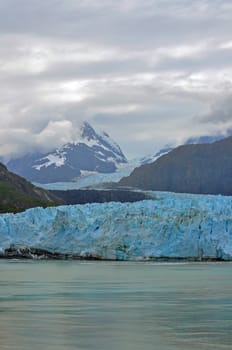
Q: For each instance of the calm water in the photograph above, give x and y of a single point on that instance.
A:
(127, 306)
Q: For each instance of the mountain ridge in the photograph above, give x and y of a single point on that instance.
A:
(192, 168)
(92, 151)
(203, 139)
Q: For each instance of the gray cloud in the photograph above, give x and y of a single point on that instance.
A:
(149, 72)
(220, 114)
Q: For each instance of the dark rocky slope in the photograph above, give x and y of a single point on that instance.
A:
(202, 168)
(17, 194)
(100, 196)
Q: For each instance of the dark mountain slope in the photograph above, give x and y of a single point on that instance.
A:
(17, 194)
(203, 168)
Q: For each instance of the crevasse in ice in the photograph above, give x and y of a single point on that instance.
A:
(171, 225)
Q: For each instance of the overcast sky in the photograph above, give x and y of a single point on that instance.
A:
(149, 72)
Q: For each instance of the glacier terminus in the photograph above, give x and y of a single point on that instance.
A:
(169, 226)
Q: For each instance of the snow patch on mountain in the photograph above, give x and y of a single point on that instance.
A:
(52, 159)
(107, 140)
(152, 158)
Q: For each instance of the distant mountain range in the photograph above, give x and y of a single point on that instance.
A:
(17, 194)
(92, 152)
(190, 141)
(93, 158)
(200, 166)
(192, 168)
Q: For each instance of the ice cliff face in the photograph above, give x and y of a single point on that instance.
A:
(171, 225)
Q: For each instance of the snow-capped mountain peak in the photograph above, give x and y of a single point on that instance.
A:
(88, 132)
(91, 151)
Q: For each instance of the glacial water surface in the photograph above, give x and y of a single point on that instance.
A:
(71, 305)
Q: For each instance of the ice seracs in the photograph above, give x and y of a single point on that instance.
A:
(170, 226)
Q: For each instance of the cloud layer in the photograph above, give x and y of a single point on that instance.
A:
(148, 72)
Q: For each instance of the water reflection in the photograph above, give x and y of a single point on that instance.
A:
(74, 305)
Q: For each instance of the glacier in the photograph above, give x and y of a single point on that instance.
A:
(169, 226)
(91, 179)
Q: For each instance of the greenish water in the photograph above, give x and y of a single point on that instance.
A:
(127, 306)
